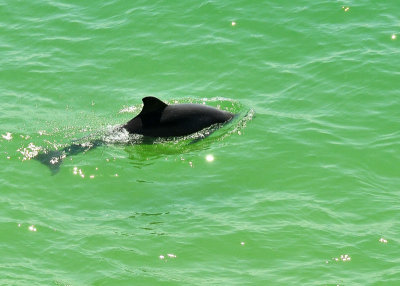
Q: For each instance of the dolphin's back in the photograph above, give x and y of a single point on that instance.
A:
(158, 119)
(184, 119)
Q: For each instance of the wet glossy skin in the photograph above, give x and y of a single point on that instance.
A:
(160, 120)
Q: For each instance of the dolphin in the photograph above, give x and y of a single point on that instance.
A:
(156, 119)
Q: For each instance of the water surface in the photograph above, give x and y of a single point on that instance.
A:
(303, 190)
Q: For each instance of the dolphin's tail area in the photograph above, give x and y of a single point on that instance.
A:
(52, 159)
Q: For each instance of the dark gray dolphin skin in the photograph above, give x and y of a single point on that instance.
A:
(158, 119)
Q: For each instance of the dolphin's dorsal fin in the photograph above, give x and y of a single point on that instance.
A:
(152, 105)
(152, 110)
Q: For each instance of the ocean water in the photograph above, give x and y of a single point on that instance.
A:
(302, 189)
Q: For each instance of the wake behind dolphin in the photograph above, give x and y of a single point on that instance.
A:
(156, 120)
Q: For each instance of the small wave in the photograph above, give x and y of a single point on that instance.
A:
(116, 134)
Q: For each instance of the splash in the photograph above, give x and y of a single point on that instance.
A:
(7, 136)
(115, 135)
(29, 152)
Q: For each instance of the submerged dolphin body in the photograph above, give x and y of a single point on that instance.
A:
(157, 119)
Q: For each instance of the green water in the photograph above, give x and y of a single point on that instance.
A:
(303, 190)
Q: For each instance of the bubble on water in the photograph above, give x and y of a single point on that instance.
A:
(382, 240)
(7, 136)
(169, 255)
(79, 172)
(116, 134)
(29, 152)
(343, 258)
(128, 109)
